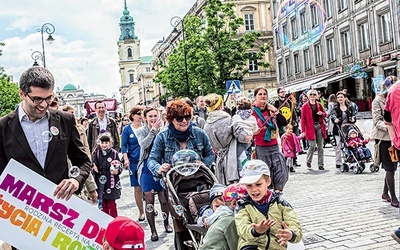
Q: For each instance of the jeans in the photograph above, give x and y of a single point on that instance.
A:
(318, 142)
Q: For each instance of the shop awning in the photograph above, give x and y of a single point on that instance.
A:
(325, 82)
(306, 84)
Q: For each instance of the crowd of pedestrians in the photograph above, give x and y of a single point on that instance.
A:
(241, 148)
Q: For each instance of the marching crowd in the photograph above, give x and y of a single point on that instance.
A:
(240, 145)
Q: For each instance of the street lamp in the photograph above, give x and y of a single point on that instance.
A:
(175, 21)
(36, 55)
(49, 29)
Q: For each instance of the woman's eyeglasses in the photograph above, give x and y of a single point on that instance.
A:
(125, 120)
(180, 118)
(313, 94)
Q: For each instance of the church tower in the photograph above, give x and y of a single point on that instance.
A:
(129, 58)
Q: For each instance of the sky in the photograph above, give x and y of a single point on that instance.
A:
(85, 51)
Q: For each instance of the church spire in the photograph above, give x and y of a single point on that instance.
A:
(127, 25)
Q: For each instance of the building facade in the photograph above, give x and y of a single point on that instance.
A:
(256, 15)
(360, 41)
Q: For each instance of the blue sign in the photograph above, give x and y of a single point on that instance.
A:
(233, 86)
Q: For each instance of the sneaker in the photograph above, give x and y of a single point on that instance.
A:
(291, 169)
(308, 165)
(321, 168)
(396, 235)
(338, 166)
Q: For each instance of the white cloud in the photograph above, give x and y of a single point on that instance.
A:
(85, 51)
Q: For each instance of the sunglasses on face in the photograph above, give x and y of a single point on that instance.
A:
(38, 100)
(180, 118)
(312, 94)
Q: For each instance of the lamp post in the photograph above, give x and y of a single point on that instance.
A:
(49, 29)
(36, 55)
(175, 21)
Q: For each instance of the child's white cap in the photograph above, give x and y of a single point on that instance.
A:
(253, 170)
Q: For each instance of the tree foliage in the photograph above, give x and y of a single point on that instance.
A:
(215, 52)
(9, 96)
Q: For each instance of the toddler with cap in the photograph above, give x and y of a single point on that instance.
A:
(358, 145)
(216, 200)
(222, 229)
(264, 220)
(123, 233)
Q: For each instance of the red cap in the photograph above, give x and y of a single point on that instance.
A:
(125, 233)
(234, 192)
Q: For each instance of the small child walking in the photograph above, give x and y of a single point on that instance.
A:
(106, 170)
(222, 229)
(248, 122)
(264, 220)
(290, 146)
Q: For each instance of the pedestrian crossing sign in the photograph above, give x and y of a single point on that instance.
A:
(233, 86)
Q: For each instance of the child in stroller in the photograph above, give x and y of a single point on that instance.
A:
(358, 146)
(354, 151)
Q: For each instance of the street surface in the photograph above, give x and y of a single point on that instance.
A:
(336, 210)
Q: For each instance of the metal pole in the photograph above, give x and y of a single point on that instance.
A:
(185, 59)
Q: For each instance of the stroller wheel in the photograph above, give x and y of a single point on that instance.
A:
(355, 170)
(342, 168)
(360, 170)
(376, 168)
(372, 168)
(362, 165)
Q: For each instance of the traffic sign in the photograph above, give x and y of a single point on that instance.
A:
(233, 86)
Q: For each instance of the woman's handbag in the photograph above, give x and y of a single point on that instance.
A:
(394, 155)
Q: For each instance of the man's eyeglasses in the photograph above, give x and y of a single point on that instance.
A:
(38, 100)
(180, 118)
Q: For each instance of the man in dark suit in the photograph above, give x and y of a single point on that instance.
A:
(40, 138)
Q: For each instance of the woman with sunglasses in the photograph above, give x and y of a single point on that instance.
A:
(146, 136)
(342, 113)
(131, 151)
(180, 134)
(269, 120)
(313, 127)
(225, 134)
(124, 122)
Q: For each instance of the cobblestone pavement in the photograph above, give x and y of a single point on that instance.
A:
(336, 210)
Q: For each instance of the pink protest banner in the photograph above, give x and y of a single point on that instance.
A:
(32, 218)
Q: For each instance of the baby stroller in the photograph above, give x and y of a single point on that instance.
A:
(188, 185)
(351, 159)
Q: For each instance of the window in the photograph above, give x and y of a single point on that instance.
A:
(148, 69)
(288, 68)
(249, 22)
(307, 64)
(314, 15)
(280, 68)
(346, 43)
(385, 24)
(253, 62)
(293, 24)
(296, 63)
(131, 78)
(303, 22)
(285, 37)
(342, 4)
(317, 51)
(276, 7)
(331, 49)
(363, 35)
(328, 8)
(278, 39)
(129, 52)
(148, 82)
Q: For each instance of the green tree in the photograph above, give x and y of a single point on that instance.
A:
(9, 96)
(215, 52)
